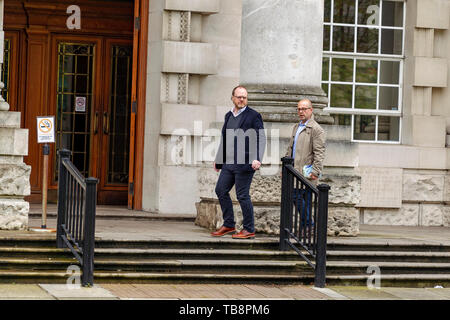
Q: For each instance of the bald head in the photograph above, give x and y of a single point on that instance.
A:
(304, 110)
(306, 102)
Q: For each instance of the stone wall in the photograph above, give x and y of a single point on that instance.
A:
(392, 184)
(193, 64)
(14, 173)
(265, 192)
(425, 195)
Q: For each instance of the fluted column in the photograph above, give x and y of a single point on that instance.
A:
(281, 57)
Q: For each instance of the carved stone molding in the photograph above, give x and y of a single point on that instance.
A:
(279, 103)
(182, 93)
(185, 26)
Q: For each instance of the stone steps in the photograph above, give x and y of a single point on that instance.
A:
(215, 253)
(148, 277)
(124, 254)
(189, 265)
(223, 260)
(260, 243)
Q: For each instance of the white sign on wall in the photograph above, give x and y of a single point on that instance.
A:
(46, 129)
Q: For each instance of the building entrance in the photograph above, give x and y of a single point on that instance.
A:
(92, 107)
(78, 63)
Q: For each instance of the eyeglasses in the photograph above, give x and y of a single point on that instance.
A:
(302, 109)
(240, 97)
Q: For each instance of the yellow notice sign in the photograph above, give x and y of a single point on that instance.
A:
(46, 129)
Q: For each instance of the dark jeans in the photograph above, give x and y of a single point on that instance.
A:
(229, 176)
(302, 200)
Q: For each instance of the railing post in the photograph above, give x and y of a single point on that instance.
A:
(286, 202)
(87, 278)
(321, 253)
(62, 196)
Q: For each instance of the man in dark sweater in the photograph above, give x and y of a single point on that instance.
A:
(239, 156)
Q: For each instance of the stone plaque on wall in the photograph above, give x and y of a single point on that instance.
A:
(381, 188)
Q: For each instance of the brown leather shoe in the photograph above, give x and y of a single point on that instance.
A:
(244, 234)
(222, 231)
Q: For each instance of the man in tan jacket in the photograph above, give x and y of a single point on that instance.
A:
(307, 147)
(307, 141)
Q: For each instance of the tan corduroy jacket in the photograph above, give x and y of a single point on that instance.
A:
(310, 147)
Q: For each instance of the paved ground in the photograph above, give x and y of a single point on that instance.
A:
(147, 226)
(147, 229)
(212, 291)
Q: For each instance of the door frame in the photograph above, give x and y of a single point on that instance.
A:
(142, 10)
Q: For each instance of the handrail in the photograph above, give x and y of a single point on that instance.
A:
(304, 219)
(77, 198)
(299, 176)
(74, 172)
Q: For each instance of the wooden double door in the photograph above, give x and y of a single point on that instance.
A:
(87, 79)
(92, 100)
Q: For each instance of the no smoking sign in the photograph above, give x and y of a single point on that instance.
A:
(46, 129)
(80, 104)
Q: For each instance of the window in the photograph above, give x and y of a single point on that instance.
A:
(362, 66)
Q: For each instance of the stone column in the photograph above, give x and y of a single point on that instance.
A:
(14, 173)
(281, 63)
(281, 57)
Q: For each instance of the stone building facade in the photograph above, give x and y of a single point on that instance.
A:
(396, 180)
(377, 72)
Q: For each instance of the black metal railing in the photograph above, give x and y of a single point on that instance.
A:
(304, 218)
(77, 199)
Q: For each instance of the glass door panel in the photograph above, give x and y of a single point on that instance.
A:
(5, 69)
(74, 102)
(118, 126)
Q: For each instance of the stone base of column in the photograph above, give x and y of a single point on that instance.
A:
(343, 217)
(14, 214)
(342, 221)
(14, 173)
(279, 103)
(267, 216)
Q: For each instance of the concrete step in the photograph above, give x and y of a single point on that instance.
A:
(120, 214)
(250, 267)
(201, 254)
(403, 246)
(58, 264)
(229, 266)
(28, 276)
(261, 243)
(208, 243)
(389, 256)
(386, 268)
(164, 266)
(34, 252)
(7, 276)
(230, 254)
(398, 280)
(233, 254)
